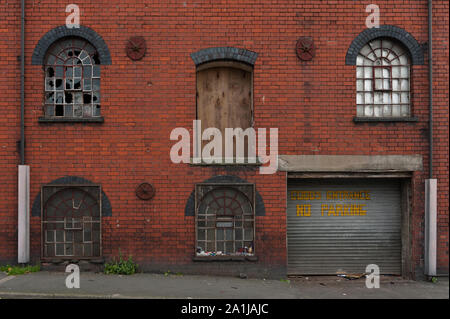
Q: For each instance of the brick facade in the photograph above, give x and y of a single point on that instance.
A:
(312, 103)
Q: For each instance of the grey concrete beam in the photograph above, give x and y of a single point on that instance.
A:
(350, 163)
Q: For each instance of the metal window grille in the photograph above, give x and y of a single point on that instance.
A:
(383, 80)
(72, 80)
(71, 221)
(225, 219)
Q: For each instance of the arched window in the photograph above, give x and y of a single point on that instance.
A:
(72, 80)
(71, 221)
(383, 80)
(225, 220)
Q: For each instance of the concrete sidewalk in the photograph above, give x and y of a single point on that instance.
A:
(97, 285)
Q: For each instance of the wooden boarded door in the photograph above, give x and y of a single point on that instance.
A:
(224, 98)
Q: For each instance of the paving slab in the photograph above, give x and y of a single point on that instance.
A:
(45, 284)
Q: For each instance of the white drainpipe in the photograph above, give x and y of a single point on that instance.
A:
(23, 240)
(430, 226)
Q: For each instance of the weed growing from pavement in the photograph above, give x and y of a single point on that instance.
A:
(19, 270)
(121, 267)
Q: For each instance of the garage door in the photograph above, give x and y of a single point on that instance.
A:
(341, 226)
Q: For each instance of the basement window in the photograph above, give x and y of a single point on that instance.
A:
(225, 220)
(72, 82)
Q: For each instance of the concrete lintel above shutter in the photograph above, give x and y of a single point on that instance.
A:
(350, 163)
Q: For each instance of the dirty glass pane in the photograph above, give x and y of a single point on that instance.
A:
(68, 250)
(368, 110)
(229, 247)
(50, 236)
(78, 110)
(211, 234)
(87, 250)
(201, 234)
(359, 110)
(87, 110)
(60, 236)
(387, 110)
(377, 109)
(68, 110)
(238, 234)
(96, 249)
(59, 249)
(405, 110)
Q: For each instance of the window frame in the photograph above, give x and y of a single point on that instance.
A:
(46, 196)
(95, 106)
(397, 118)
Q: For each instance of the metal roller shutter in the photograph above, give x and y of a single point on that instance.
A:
(360, 225)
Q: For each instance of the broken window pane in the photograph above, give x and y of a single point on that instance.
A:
(59, 110)
(49, 98)
(87, 98)
(49, 84)
(69, 84)
(68, 97)
(78, 98)
(59, 84)
(77, 84)
(96, 97)
(50, 72)
(97, 110)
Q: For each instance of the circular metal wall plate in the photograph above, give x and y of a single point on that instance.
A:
(305, 48)
(136, 48)
(145, 191)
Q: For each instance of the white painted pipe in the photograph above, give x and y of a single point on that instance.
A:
(430, 226)
(23, 240)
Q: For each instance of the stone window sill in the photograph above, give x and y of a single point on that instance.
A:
(357, 119)
(98, 119)
(234, 163)
(224, 258)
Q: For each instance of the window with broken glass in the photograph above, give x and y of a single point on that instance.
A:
(72, 80)
(383, 80)
(225, 220)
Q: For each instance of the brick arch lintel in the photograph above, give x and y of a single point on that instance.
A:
(224, 53)
(60, 32)
(71, 180)
(385, 31)
(260, 210)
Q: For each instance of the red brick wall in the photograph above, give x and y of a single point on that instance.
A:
(440, 126)
(312, 103)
